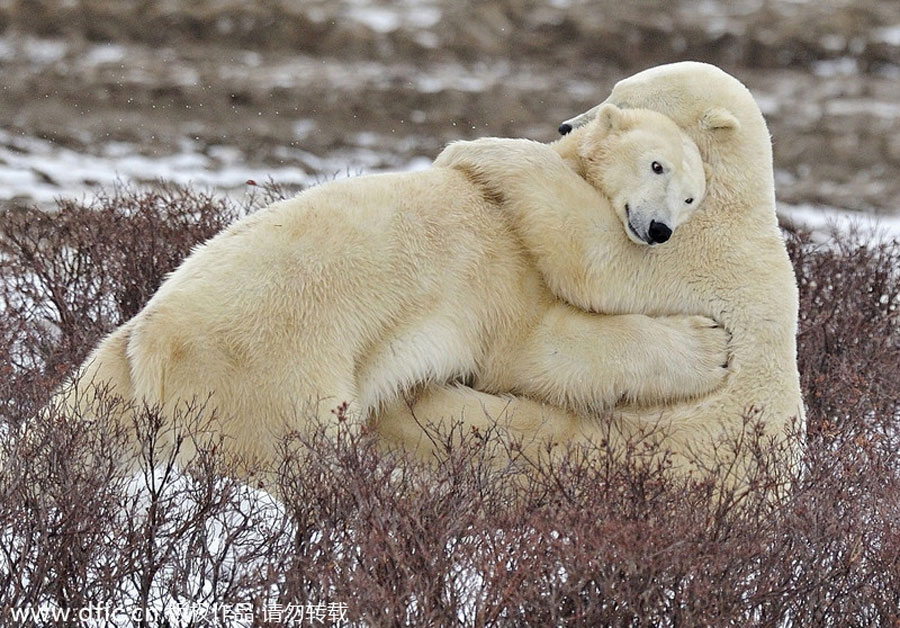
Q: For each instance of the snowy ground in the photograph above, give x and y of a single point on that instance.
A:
(823, 219)
(217, 94)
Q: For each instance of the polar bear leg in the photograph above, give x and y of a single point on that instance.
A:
(442, 416)
(592, 361)
(102, 389)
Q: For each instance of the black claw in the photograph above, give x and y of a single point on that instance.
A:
(565, 128)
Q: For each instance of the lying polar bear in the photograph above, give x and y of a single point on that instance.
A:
(357, 290)
(728, 263)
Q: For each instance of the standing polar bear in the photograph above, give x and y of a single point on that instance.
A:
(728, 263)
(356, 291)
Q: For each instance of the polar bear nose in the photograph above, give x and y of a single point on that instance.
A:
(659, 232)
(565, 128)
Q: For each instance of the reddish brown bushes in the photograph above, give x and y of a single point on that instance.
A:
(388, 542)
(73, 275)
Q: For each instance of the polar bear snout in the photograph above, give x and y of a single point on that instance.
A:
(642, 231)
(658, 232)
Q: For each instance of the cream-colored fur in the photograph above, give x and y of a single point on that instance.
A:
(728, 262)
(358, 290)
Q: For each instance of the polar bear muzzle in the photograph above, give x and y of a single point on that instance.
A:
(659, 232)
(656, 232)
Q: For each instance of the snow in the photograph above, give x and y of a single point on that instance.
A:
(768, 103)
(423, 16)
(843, 66)
(303, 128)
(42, 171)
(889, 35)
(105, 53)
(823, 218)
(379, 19)
(856, 106)
(43, 51)
(382, 19)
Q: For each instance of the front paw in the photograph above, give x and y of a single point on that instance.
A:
(701, 353)
(495, 153)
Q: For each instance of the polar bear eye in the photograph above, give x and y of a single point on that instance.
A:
(689, 200)
(657, 167)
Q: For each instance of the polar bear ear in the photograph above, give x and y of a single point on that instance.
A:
(717, 118)
(609, 118)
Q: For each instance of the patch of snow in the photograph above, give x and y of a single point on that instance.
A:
(856, 106)
(834, 42)
(379, 19)
(7, 50)
(429, 84)
(423, 16)
(784, 177)
(583, 90)
(889, 35)
(251, 58)
(185, 76)
(463, 82)
(768, 103)
(104, 53)
(824, 218)
(42, 171)
(418, 163)
(427, 39)
(844, 66)
(303, 128)
(889, 71)
(44, 51)
(718, 26)
(37, 51)
(366, 138)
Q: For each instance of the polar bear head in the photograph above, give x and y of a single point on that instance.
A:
(722, 118)
(650, 170)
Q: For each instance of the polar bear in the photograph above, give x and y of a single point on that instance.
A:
(729, 263)
(338, 300)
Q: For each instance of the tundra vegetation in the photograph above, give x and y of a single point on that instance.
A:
(394, 542)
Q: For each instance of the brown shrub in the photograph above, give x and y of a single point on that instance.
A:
(73, 275)
(621, 542)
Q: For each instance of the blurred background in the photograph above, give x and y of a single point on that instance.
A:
(219, 92)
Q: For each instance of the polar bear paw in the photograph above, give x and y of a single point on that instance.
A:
(496, 156)
(697, 360)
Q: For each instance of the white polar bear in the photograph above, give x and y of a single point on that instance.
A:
(358, 290)
(729, 263)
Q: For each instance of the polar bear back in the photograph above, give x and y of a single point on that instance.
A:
(353, 290)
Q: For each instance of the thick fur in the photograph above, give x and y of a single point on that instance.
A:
(728, 262)
(356, 291)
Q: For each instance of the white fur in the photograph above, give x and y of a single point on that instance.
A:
(728, 262)
(357, 290)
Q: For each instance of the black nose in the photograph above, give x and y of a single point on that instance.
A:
(565, 128)
(658, 232)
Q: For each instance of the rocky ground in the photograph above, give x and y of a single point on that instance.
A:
(217, 92)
